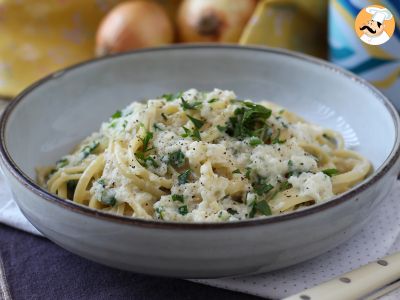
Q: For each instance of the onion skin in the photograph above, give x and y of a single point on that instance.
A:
(213, 20)
(133, 25)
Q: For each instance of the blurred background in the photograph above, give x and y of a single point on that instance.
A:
(41, 36)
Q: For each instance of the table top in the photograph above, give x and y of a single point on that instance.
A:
(36, 268)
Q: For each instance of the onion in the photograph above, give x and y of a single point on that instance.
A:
(213, 20)
(133, 25)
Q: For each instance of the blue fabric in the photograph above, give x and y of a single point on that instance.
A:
(38, 269)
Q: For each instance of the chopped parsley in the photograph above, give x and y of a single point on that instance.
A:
(184, 177)
(189, 106)
(144, 159)
(254, 141)
(187, 133)
(232, 211)
(237, 171)
(284, 186)
(264, 208)
(160, 212)
(62, 163)
(176, 159)
(261, 207)
(221, 128)
(248, 120)
(176, 197)
(196, 122)
(195, 134)
(292, 171)
(145, 140)
(248, 173)
(108, 197)
(102, 182)
(281, 111)
(212, 100)
(116, 115)
(261, 187)
(183, 210)
(113, 124)
(290, 164)
(89, 149)
(172, 97)
(151, 161)
(330, 172)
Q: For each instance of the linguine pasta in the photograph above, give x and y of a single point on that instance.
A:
(201, 157)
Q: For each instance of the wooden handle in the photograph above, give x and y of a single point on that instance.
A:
(357, 283)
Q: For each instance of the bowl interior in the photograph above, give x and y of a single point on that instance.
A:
(54, 115)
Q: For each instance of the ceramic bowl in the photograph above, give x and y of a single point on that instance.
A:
(51, 116)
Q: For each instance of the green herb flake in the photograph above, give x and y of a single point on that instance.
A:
(248, 120)
(330, 172)
(290, 164)
(212, 100)
(237, 171)
(221, 128)
(108, 197)
(160, 212)
(172, 97)
(145, 140)
(281, 111)
(150, 161)
(262, 188)
(253, 210)
(196, 122)
(144, 160)
(232, 211)
(116, 115)
(102, 182)
(196, 135)
(113, 124)
(176, 197)
(284, 186)
(184, 177)
(263, 208)
(183, 210)
(89, 149)
(248, 173)
(254, 141)
(176, 159)
(62, 163)
(189, 106)
(187, 133)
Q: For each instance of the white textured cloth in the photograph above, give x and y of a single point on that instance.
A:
(377, 239)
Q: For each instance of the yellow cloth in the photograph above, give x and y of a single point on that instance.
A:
(40, 36)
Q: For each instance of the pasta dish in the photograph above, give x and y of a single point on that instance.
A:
(205, 157)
